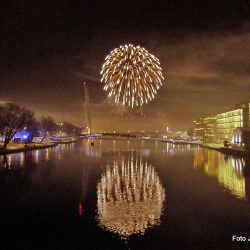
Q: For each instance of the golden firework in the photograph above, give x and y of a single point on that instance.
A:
(131, 75)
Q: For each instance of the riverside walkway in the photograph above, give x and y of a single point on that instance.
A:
(14, 147)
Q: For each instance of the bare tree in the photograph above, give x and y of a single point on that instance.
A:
(33, 127)
(70, 129)
(13, 118)
(47, 125)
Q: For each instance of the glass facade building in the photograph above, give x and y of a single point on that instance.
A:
(210, 129)
(199, 129)
(205, 129)
(220, 127)
(226, 123)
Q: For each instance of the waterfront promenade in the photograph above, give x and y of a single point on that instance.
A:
(14, 147)
(215, 146)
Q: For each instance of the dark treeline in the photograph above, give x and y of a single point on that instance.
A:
(14, 119)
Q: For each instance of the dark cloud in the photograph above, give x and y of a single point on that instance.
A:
(48, 49)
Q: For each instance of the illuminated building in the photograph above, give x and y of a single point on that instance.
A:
(241, 134)
(220, 127)
(199, 129)
(226, 123)
(246, 113)
(210, 129)
(205, 129)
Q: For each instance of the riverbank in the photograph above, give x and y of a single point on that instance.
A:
(21, 147)
(218, 147)
(68, 140)
(214, 146)
(226, 150)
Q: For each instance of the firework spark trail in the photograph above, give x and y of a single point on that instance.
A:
(131, 75)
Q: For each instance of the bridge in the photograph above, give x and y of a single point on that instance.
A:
(126, 135)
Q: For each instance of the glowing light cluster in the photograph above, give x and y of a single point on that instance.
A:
(130, 197)
(131, 75)
(228, 173)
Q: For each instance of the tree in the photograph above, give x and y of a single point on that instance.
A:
(33, 127)
(47, 125)
(14, 118)
(70, 129)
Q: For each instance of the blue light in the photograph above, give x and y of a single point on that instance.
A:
(22, 135)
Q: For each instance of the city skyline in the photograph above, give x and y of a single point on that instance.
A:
(50, 48)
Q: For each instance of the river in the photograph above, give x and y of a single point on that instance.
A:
(124, 194)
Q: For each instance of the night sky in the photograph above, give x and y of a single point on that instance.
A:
(47, 49)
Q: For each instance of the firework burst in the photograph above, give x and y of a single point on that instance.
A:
(131, 75)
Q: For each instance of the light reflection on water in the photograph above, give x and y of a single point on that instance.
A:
(94, 151)
(20, 159)
(130, 196)
(97, 151)
(114, 190)
(37, 156)
(229, 171)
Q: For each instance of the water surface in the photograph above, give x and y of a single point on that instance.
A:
(123, 194)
